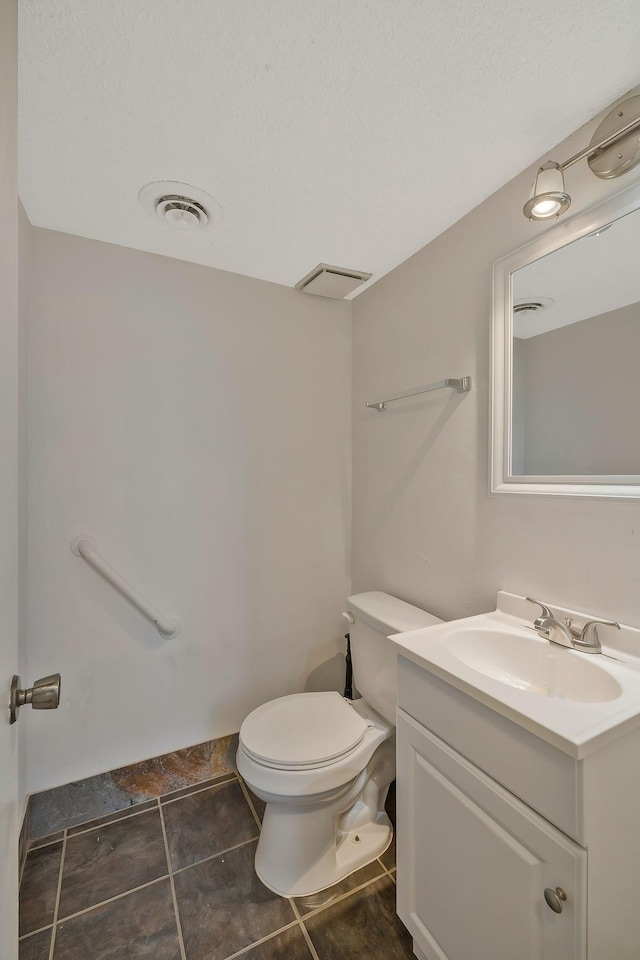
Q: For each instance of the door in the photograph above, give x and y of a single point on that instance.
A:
(9, 467)
(474, 862)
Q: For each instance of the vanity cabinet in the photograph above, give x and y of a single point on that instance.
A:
(490, 815)
(475, 862)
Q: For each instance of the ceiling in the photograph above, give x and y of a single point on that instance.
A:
(350, 132)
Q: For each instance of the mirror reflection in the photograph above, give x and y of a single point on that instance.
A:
(575, 402)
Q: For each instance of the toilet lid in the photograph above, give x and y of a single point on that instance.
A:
(302, 730)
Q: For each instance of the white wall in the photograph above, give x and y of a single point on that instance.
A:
(197, 423)
(425, 526)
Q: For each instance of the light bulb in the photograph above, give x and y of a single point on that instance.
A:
(546, 208)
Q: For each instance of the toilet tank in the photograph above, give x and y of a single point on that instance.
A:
(376, 616)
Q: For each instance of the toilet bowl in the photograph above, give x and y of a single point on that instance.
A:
(323, 764)
(318, 825)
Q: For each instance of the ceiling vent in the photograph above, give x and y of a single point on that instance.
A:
(180, 206)
(529, 305)
(182, 212)
(333, 282)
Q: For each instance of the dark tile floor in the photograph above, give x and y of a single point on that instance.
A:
(173, 879)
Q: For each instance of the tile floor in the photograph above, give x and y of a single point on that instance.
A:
(173, 879)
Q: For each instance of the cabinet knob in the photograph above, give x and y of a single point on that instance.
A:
(555, 898)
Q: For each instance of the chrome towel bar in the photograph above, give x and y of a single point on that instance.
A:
(87, 548)
(463, 385)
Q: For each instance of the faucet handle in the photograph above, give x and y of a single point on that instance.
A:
(545, 609)
(589, 633)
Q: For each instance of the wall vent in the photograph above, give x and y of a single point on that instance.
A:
(334, 282)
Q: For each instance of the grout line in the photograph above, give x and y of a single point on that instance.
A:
(173, 888)
(39, 846)
(343, 896)
(56, 909)
(201, 784)
(387, 870)
(172, 873)
(307, 937)
(92, 825)
(32, 933)
(251, 806)
(305, 932)
(256, 943)
(129, 811)
(213, 856)
(118, 896)
(209, 786)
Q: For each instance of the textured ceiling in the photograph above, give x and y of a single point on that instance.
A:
(345, 131)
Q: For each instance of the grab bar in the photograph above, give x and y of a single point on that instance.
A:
(87, 548)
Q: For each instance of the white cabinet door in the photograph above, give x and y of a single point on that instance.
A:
(474, 861)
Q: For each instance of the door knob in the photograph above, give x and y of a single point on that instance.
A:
(555, 898)
(43, 695)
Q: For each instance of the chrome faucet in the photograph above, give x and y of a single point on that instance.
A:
(585, 639)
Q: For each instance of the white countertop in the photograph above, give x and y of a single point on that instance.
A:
(577, 728)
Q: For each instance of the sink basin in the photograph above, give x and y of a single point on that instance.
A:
(575, 701)
(539, 667)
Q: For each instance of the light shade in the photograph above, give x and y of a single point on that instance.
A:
(548, 197)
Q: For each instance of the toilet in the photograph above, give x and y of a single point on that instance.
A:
(323, 764)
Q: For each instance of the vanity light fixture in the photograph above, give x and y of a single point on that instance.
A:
(548, 197)
(613, 151)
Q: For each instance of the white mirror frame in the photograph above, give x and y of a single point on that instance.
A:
(501, 479)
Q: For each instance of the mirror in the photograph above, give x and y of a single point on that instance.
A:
(566, 358)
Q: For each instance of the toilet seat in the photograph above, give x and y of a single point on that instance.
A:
(303, 731)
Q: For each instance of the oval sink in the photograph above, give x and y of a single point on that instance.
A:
(526, 663)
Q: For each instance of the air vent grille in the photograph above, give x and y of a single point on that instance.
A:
(526, 306)
(180, 206)
(532, 307)
(182, 211)
(333, 282)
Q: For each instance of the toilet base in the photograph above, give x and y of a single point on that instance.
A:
(355, 850)
(307, 846)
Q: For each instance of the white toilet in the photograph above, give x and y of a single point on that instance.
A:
(323, 764)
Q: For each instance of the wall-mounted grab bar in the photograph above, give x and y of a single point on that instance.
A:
(463, 385)
(87, 548)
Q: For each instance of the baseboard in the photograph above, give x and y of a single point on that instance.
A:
(74, 803)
